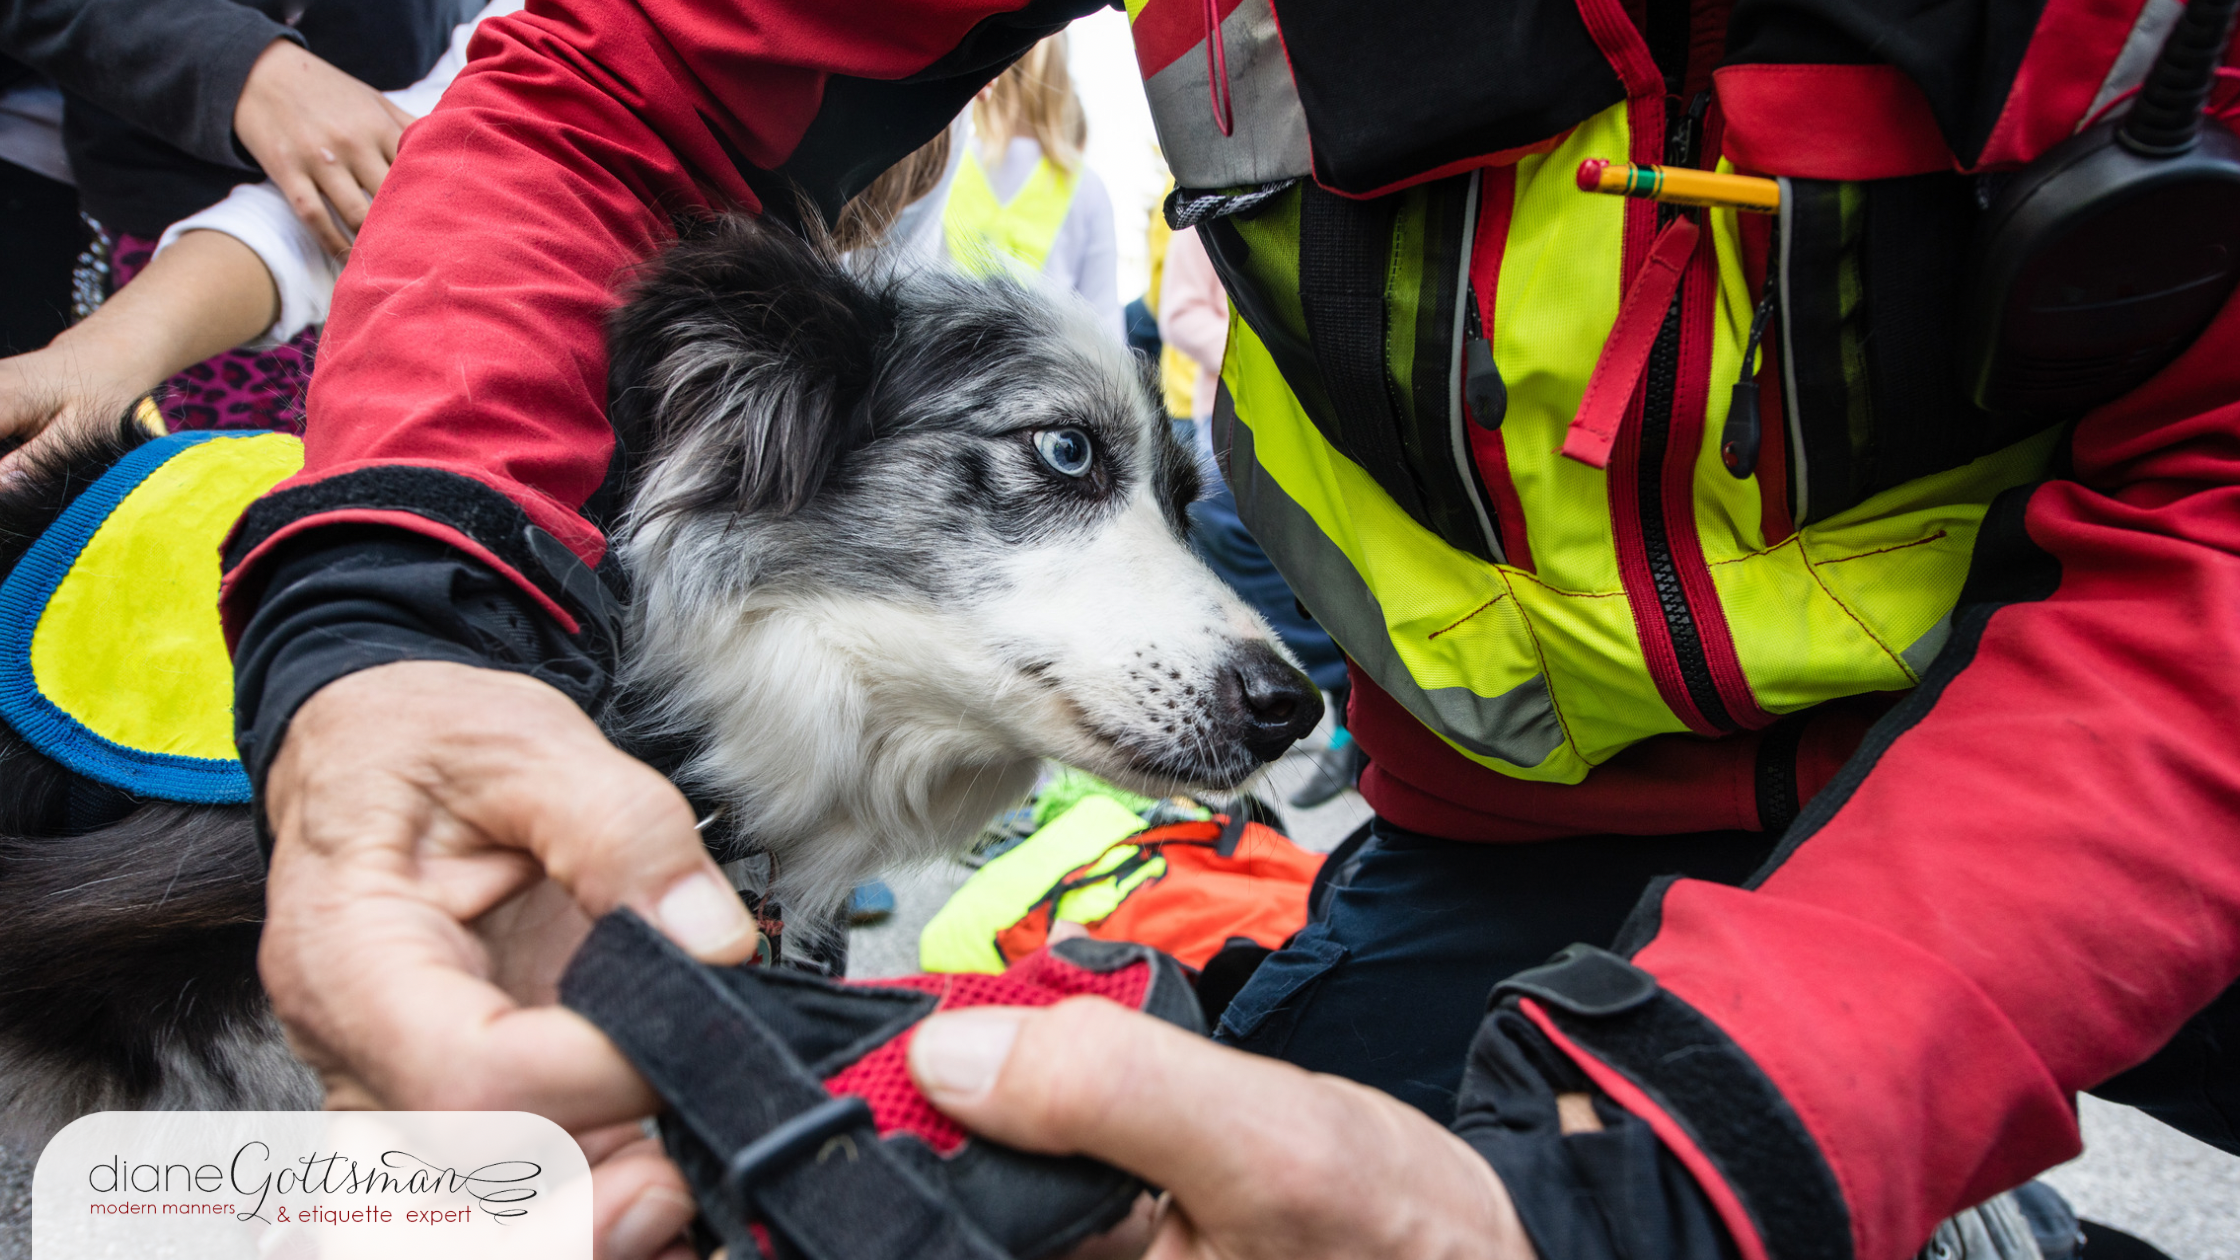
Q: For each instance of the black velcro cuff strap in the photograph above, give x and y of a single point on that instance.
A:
(1697, 1076)
(1584, 981)
(475, 510)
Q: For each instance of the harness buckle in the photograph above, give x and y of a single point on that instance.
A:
(771, 1154)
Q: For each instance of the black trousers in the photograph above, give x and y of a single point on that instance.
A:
(1387, 983)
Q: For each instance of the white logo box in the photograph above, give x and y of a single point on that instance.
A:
(309, 1185)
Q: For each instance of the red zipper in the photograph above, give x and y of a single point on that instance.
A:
(1685, 639)
(1699, 298)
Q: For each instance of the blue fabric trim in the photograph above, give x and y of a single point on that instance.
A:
(23, 600)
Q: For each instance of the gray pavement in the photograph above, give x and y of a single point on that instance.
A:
(2148, 1179)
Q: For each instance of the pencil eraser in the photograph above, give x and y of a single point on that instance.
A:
(1590, 174)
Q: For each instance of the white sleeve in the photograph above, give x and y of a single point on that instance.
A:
(1086, 255)
(259, 217)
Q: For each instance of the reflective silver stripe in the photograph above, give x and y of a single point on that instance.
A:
(1269, 139)
(2156, 17)
(1465, 464)
(1923, 653)
(1518, 726)
(1800, 486)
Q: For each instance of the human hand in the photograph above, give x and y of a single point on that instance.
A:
(1261, 1160)
(443, 838)
(206, 293)
(640, 1203)
(52, 396)
(318, 132)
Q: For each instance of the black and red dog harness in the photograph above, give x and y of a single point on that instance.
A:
(794, 1118)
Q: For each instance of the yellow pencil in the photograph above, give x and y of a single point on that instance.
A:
(1680, 185)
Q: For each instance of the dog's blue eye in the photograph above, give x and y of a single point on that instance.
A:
(1067, 450)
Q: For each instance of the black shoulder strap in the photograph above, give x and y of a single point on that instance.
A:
(1345, 253)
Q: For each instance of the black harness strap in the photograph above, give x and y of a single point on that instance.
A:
(1345, 257)
(759, 1138)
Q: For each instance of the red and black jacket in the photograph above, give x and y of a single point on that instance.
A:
(2018, 884)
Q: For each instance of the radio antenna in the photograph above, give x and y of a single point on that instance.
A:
(2165, 120)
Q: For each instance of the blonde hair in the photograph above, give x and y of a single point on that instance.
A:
(864, 221)
(1035, 98)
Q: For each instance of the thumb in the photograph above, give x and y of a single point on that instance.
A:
(1263, 1158)
(1087, 1076)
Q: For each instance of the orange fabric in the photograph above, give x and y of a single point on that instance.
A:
(1260, 891)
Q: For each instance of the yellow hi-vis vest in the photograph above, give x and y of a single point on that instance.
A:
(986, 235)
(112, 661)
(1542, 673)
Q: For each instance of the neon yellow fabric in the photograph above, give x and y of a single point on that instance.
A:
(961, 937)
(129, 644)
(1178, 382)
(1850, 604)
(1094, 902)
(1071, 786)
(986, 235)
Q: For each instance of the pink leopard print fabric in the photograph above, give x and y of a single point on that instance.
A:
(240, 389)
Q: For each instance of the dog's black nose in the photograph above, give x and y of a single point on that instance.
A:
(1275, 703)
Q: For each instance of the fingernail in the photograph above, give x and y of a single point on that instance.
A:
(956, 1057)
(659, 1215)
(702, 914)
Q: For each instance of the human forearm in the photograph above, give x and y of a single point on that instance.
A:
(206, 294)
(301, 271)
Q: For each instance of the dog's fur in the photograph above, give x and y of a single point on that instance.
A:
(862, 601)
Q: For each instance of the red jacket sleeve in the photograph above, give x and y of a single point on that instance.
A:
(2023, 884)
(461, 386)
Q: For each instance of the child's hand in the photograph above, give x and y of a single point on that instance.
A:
(323, 137)
(49, 396)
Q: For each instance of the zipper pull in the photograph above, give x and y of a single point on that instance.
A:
(1742, 435)
(1482, 387)
(1686, 132)
(1483, 390)
(1740, 439)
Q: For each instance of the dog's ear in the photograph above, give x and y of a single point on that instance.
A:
(741, 366)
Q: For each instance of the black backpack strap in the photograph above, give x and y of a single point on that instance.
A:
(759, 1137)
